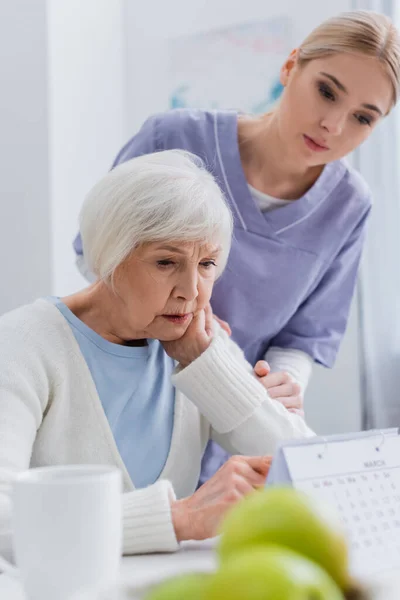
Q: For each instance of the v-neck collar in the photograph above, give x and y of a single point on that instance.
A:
(248, 215)
(103, 422)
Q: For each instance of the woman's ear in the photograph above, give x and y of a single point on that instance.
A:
(288, 66)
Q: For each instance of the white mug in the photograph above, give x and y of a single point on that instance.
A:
(67, 529)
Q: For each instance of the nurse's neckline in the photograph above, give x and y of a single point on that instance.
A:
(248, 215)
(278, 192)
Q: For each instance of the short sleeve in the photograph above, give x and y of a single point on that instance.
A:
(320, 322)
(144, 142)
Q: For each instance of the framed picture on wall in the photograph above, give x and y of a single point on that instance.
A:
(237, 67)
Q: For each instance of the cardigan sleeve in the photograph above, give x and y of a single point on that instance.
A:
(25, 389)
(244, 419)
(24, 393)
(147, 518)
(27, 385)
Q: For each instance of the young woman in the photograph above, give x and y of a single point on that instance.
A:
(300, 211)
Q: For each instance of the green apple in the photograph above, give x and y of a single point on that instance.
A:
(290, 518)
(271, 573)
(192, 586)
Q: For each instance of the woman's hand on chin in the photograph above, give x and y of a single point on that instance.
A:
(194, 341)
(198, 517)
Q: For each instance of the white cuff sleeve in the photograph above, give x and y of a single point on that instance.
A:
(147, 520)
(297, 363)
(221, 384)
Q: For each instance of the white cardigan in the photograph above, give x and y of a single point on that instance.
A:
(51, 414)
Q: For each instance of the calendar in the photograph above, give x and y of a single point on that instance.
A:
(359, 475)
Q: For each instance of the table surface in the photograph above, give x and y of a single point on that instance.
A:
(139, 571)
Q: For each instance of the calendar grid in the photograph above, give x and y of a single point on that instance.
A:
(362, 482)
(348, 473)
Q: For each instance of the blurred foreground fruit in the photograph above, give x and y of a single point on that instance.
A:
(193, 586)
(289, 518)
(271, 573)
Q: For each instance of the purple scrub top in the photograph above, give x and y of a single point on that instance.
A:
(291, 272)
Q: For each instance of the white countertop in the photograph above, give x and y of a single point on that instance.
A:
(139, 571)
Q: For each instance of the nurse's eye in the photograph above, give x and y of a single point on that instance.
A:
(363, 119)
(326, 91)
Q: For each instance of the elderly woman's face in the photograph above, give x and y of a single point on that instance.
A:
(161, 286)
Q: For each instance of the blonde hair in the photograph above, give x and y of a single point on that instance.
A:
(360, 31)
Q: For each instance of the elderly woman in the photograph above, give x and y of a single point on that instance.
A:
(132, 371)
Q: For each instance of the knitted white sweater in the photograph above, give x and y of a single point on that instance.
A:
(51, 414)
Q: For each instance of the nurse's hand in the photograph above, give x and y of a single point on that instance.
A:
(199, 516)
(281, 387)
(209, 319)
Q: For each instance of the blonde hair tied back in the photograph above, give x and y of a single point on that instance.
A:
(363, 32)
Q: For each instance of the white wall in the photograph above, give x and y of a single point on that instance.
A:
(149, 25)
(87, 113)
(91, 78)
(24, 189)
(333, 399)
(62, 119)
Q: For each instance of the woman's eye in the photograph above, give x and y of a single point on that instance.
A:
(363, 120)
(326, 91)
(165, 263)
(208, 263)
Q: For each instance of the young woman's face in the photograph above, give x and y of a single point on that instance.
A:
(331, 105)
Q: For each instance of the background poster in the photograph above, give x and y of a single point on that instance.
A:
(234, 68)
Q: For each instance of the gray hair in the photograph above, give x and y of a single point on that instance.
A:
(165, 196)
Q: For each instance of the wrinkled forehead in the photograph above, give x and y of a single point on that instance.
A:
(180, 247)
